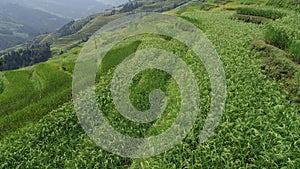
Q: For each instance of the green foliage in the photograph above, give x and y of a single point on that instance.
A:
(277, 37)
(33, 93)
(250, 18)
(26, 57)
(294, 49)
(1, 84)
(279, 68)
(1, 62)
(222, 2)
(253, 2)
(66, 61)
(290, 4)
(71, 41)
(130, 6)
(285, 34)
(192, 20)
(57, 141)
(192, 6)
(296, 88)
(257, 128)
(265, 50)
(251, 100)
(67, 126)
(159, 6)
(115, 56)
(270, 13)
(142, 85)
(70, 28)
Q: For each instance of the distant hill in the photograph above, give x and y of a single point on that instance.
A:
(113, 2)
(19, 23)
(21, 20)
(74, 9)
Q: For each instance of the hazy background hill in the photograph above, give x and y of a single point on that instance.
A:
(19, 24)
(65, 8)
(113, 2)
(21, 20)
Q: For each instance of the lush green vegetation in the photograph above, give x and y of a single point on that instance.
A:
(285, 34)
(277, 66)
(25, 57)
(159, 6)
(259, 128)
(68, 42)
(1, 84)
(290, 4)
(270, 13)
(56, 142)
(31, 93)
(250, 18)
(251, 2)
(294, 49)
(142, 84)
(117, 56)
(130, 6)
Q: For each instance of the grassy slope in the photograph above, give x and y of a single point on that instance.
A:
(259, 127)
(67, 42)
(50, 134)
(21, 100)
(32, 92)
(290, 4)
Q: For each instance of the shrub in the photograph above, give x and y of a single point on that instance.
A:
(1, 85)
(279, 68)
(277, 37)
(249, 18)
(294, 50)
(262, 12)
(251, 2)
(194, 21)
(296, 88)
(33, 92)
(290, 4)
(285, 34)
(266, 50)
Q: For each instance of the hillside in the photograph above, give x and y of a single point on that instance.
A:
(19, 24)
(74, 9)
(258, 44)
(290, 4)
(76, 32)
(21, 20)
(114, 2)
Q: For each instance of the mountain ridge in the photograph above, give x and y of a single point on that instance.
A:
(19, 24)
(21, 20)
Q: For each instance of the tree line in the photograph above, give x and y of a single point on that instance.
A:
(31, 55)
(130, 6)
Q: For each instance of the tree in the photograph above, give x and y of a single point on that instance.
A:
(1, 63)
(130, 6)
(26, 57)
